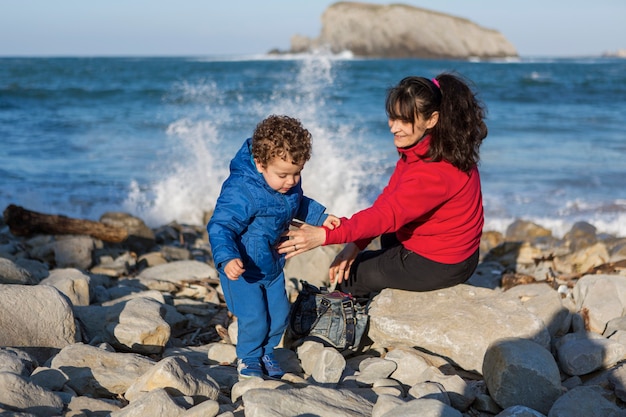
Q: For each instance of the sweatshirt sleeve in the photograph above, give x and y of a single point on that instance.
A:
(407, 201)
(233, 210)
(312, 212)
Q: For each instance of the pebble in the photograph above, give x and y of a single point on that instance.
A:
(96, 329)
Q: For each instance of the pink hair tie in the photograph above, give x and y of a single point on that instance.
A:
(434, 80)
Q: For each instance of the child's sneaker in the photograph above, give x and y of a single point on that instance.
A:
(249, 368)
(271, 367)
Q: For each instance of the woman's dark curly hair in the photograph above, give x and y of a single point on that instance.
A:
(283, 137)
(460, 131)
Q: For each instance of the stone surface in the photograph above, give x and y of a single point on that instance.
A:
(521, 372)
(401, 31)
(474, 318)
(35, 316)
(421, 338)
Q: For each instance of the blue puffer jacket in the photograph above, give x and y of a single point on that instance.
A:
(250, 217)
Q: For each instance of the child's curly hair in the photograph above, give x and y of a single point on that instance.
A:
(283, 137)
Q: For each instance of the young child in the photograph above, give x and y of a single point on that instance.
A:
(258, 201)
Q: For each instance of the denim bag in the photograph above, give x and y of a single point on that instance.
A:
(332, 318)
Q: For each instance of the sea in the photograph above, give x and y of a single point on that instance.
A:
(153, 137)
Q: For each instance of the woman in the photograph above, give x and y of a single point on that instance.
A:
(430, 214)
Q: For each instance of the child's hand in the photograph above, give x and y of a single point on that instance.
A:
(332, 221)
(233, 269)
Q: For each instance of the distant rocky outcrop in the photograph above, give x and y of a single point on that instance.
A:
(401, 31)
(620, 53)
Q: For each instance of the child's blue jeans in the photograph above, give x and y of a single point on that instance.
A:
(262, 311)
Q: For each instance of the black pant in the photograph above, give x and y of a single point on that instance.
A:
(394, 266)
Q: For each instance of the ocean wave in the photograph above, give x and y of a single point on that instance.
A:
(284, 56)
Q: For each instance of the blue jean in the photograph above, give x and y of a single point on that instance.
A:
(262, 311)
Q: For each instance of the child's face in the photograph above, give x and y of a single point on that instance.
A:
(279, 174)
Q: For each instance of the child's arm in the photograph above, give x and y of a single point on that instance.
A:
(234, 269)
(311, 212)
(233, 210)
(332, 221)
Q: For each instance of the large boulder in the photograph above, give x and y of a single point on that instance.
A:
(401, 31)
(458, 323)
(35, 316)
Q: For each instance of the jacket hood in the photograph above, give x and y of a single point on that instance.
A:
(243, 164)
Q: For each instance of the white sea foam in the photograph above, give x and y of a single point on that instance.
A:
(190, 185)
(304, 56)
(340, 174)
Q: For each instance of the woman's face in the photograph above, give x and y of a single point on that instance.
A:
(407, 134)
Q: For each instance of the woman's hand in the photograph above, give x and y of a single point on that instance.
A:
(305, 238)
(340, 268)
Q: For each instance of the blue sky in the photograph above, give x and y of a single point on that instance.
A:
(209, 27)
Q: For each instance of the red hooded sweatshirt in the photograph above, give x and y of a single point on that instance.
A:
(434, 208)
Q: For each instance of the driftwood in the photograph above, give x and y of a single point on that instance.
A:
(24, 222)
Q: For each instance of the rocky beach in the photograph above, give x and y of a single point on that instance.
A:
(90, 327)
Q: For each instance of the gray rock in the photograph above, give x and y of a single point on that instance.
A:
(324, 365)
(410, 364)
(99, 373)
(73, 251)
(602, 297)
(19, 394)
(179, 272)
(583, 260)
(586, 401)
(544, 302)
(37, 270)
(11, 273)
(460, 394)
(617, 381)
(615, 325)
(583, 353)
(48, 378)
(423, 407)
(136, 325)
(430, 389)
(484, 402)
(311, 400)
(140, 326)
(177, 378)
(140, 237)
(474, 318)
(91, 407)
(71, 282)
(385, 403)
(487, 275)
(519, 411)
(207, 408)
(523, 230)
(241, 387)
(311, 266)
(35, 316)
(521, 372)
(581, 235)
(221, 353)
(115, 266)
(16, 361)
(152, 403)
(388, 386)
(400, 31)
(373, 369)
